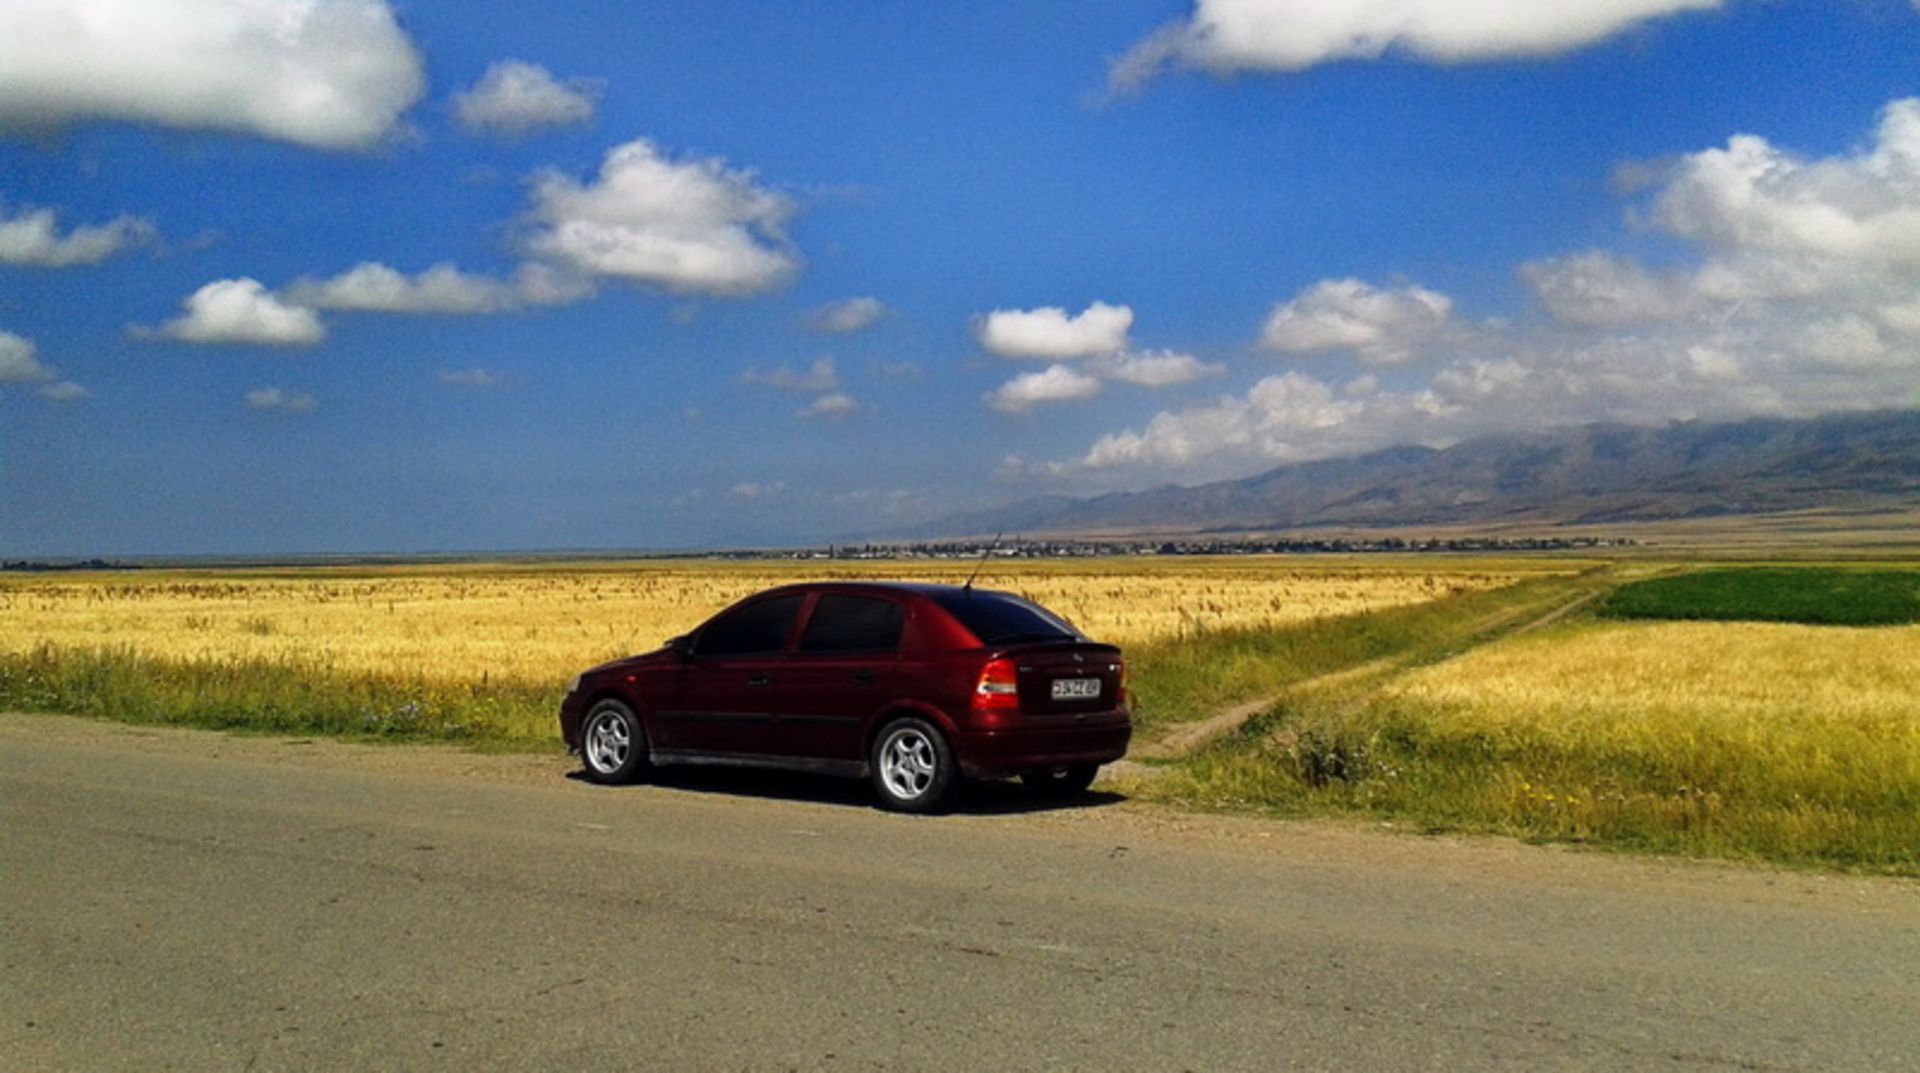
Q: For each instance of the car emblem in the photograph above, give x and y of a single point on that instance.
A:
(1078, 658)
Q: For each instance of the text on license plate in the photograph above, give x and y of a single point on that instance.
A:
(1075, 688)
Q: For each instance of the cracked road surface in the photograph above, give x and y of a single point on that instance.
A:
(183, 900)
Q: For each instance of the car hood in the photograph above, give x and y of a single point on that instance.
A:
(629, 663)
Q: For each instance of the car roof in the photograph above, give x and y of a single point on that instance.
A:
(918, 588)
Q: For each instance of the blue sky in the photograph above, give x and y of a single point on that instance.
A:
(770, 273)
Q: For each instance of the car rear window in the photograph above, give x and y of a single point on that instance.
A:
(998, 619)
(758, 627)
(853, 624)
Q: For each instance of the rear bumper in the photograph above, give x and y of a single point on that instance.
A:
(1000, 752)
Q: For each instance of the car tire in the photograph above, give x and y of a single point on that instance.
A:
(1065, 781)
(613, 744)
(913, 767)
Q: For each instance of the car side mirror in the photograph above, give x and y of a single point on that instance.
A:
(681, 646)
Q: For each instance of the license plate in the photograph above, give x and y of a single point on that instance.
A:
(1076, 688)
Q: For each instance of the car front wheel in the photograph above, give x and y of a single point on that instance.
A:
(913, 769)
(613, 745)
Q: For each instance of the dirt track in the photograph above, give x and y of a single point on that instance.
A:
(1183, 739)
(184, 900)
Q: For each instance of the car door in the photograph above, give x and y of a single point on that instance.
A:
(721, 701)
(840, 672)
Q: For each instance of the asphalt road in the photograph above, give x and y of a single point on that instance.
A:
(175, 900)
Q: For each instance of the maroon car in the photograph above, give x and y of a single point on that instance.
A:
(913, 686)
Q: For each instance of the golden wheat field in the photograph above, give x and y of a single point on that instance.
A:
(542, 623)
(1651, 678)
(1783, 741)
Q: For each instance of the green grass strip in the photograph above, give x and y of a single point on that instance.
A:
(1814, 596)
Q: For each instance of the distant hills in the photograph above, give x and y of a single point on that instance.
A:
(1588, 475)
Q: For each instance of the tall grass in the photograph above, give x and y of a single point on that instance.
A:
(1190, 673)
(285, 695)
(1783, 743)
(1196, 675)
(478, 653)
(542, 625)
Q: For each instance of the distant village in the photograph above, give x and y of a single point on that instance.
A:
(1022, 548)
(1010, 548)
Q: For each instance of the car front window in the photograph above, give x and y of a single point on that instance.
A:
(757, 628)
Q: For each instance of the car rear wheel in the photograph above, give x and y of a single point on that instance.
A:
(913, 769)
(1060, 781)
(613, 745)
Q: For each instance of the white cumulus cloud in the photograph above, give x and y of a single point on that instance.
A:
(331, 74)
(33, 238)
(1902, 316)
(1597, 288)
(242, 311)
(1155, 368)
(1282, 417)
(831, 406)
(1849, 342)
(846, 316)
(515, 98)
(1754, 196)
(1802, 298)
(478, 379)
(822, 375)
(1056, 383)
(273, 398)
(1807, 258)
(537, 284)
(689, 226)
(1380, 326)
(20, 364)
(1085, 379)
(19, 360)
(63, 391)
(1050, 333)
(1227, 36)
(374, 287)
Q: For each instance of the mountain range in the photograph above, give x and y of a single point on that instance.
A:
(1586, 475)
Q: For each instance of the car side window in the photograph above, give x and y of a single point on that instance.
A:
(853, 624)
(758, 628)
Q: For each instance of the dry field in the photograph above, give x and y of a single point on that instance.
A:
(1666, 678)
(1819, 719)
(1443, 705)
(1778, 741)
(540, 624)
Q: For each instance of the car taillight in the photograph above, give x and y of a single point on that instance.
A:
(1120, 690)
(998, 689)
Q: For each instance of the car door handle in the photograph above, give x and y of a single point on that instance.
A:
(757, 679)
(863, 678)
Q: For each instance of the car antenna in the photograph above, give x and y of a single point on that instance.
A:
(977, 567)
